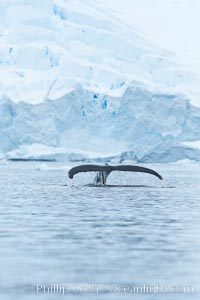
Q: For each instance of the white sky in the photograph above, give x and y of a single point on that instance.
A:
(171, 24)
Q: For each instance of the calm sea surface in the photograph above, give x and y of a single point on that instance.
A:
(98, 242)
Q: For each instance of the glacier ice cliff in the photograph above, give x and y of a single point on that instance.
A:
(77, 83)
(140, 125)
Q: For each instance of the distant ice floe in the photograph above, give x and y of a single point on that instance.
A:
(40, 152)
(185, 162)
(3, 161)
(47, 167)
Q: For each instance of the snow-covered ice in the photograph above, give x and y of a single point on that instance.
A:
(47, 48)
(77, 83)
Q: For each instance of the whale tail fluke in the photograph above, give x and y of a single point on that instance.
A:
(105, 170)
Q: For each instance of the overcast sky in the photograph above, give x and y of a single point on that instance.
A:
(171, 24)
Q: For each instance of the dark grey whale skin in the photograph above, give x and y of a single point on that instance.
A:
(124, 168)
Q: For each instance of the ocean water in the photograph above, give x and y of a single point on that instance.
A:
(122, 241)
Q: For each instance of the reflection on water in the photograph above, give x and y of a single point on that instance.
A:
(137, 230)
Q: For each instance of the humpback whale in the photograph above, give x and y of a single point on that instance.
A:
(105, 170)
